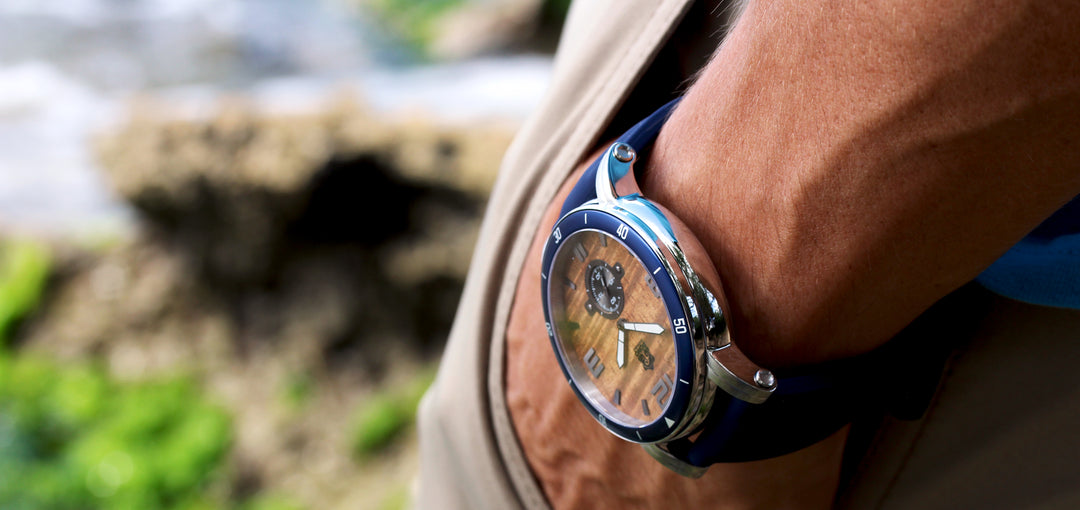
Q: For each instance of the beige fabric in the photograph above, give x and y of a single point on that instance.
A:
(469, 456)
(1002, 432)
(998, 417)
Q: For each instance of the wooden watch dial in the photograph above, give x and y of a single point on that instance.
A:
(612, 327)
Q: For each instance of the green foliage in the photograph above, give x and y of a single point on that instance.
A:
(73, 438)
(386, 415)
(413, 20)
(24, 270)
(270, 502)
(398, 499)
(378, 423)
(556, 9)
(296, 391)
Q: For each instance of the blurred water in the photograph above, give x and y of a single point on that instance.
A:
(67, 68)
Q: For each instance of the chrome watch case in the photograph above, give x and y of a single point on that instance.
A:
(707, 360)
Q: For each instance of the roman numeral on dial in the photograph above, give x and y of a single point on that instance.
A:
(662, 388)
(652, 285)
(580, 252)
(593, 362)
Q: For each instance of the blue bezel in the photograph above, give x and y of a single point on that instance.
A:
(586, 218)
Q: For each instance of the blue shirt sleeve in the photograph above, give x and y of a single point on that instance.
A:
(1044, 267)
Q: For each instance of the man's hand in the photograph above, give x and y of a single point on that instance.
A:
(579, 464)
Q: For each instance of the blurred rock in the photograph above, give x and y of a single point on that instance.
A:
(484, 27)
(326, 229)
(328, 246)
(235, 191)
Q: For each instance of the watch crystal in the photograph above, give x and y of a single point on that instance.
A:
(612, 327)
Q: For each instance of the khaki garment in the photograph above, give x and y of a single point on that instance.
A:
(1002, 431)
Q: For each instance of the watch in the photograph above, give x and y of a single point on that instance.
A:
(631, 307)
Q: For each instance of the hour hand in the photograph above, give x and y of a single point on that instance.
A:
(641, 327)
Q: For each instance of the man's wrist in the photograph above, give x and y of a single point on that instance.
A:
(727, 213)
(844, 175)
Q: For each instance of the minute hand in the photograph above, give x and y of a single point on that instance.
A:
(642, 327)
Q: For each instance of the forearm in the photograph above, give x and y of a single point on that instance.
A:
(847, 164)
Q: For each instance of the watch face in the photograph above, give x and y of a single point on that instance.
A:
(611, 327)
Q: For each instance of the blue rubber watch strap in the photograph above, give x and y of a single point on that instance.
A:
(812, 402)
(803, 410)
(639, 136)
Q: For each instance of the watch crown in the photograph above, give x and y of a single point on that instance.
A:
(765, 379)
(624, 153)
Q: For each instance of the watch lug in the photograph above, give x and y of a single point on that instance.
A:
(671, 462)
(726, 366)
(734, 373)
(615, 175)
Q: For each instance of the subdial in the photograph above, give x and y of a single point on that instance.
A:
(604, 283)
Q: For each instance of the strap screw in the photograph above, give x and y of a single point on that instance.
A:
(765, 379)
(624, 153)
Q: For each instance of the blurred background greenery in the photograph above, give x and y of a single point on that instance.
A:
(232, 238)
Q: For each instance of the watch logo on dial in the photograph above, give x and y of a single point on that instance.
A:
(644, 356)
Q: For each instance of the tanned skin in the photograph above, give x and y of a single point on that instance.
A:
(845, 164)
